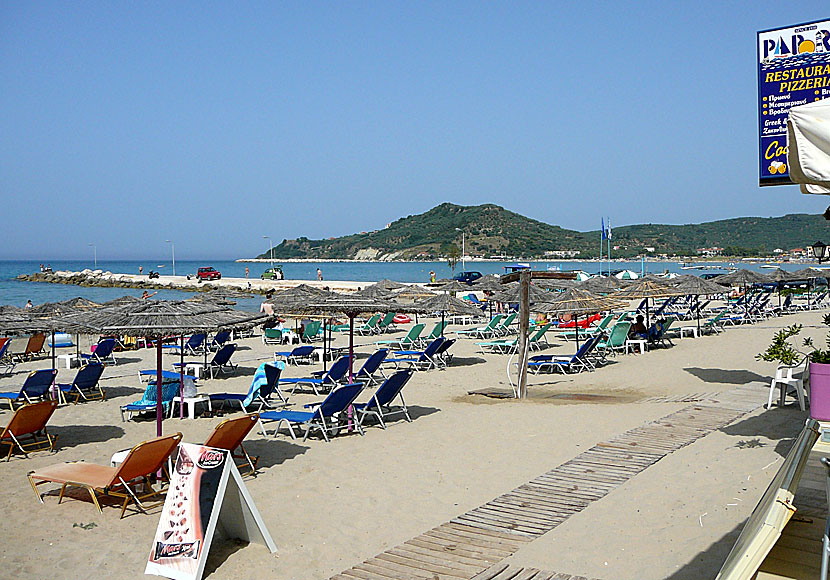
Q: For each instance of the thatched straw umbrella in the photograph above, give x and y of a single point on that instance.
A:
(387, 284)
(160, 318)
(534, 294)
(601, 284)
(695, 286)
(779, 276)
(375, 291)
(808, 274)
(648, 289)
(576, 302)
(293, 302)
(742, 277)
(446, 304)
(413, 292)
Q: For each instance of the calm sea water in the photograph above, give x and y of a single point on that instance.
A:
(15, 292)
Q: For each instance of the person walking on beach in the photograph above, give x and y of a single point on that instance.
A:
(319, 274)
(246, 273)
(140, 270)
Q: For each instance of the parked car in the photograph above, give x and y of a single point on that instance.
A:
(467, 277)
(274, 273)
(208, 273)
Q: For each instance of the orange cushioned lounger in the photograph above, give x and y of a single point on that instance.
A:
(142, 461)
(229, 435)
(27, 429)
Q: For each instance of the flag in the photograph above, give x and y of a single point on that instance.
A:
(608, 235)
(604, 232)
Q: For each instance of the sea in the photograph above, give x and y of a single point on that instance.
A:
(16, 292)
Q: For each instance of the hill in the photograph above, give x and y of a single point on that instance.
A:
(491, 230)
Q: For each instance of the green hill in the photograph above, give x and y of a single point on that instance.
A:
(491, 230)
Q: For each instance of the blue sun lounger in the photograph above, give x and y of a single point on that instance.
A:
(103, 350)
(372, 366)
(327, 380)
(419, 360)
(169, 390)
(296, 355)
(35, 387)
(321, 418)
(380, 405)
(86, 380)
(266, 382)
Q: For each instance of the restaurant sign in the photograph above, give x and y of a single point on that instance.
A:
(793, 69)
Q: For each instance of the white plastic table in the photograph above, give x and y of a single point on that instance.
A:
(641, 342)
(70, 360)
(190, 405)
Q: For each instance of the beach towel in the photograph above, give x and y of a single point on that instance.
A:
(259, 380)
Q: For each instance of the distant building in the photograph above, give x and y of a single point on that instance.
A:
(649, 249)
(713, 251)
(562, 253)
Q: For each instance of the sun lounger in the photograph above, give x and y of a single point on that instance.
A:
(272, 336)
(437, 331)
(36, 387)
(85, 383)
(220, 363)
(324, 417)
(579, 362)
(193, 346)
(508, 345)
(371, 366)
(169, 390)
(487, 331)
(380, 405)
(33, 347)
(27, 429)
(408, 341)
(229, 435)
(370, 326)
(104, 350)
(504, 328)
(442, 355)
(265, 383)
(616, 340)
(143, 460)
(300, 353)
(327, 380)
(7, 362)
(387, 323)
(418, 360)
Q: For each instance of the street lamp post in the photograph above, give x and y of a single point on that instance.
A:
(173, 249)
(270, 250)
(463, 250)
(819, 250)
(95, 254)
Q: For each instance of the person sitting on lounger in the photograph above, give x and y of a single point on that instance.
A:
(638, 329)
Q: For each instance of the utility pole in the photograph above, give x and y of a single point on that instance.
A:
(463, 250)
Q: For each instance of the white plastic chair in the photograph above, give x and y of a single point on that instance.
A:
(792, 377)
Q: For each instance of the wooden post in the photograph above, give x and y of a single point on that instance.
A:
(524, 321)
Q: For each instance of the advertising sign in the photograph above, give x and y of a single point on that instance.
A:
(793, 69)
(206, 498)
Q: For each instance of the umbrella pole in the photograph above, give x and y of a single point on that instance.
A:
(351, 346)
(325, 340)
(809, 306)
(181, 379)
(53, 349)
(442, 324)
(576, 327)
(159, 381)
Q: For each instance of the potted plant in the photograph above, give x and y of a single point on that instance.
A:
(820, 376)
(786, 355)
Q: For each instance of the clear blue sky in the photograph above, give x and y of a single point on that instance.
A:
(213, 124)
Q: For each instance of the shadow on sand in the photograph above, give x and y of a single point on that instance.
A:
(73, 435)
(726, 377)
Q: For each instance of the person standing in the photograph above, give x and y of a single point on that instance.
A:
(432, 276)
(140, 270)
(29, 304)
(246, 271)
(319, 274)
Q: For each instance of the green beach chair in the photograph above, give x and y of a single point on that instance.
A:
(713, 325)
(410, 341)
(370, 326)
(616, 339)
(437, 330)
(482, 331)
(311, 331)
(504, 329)
(386, 325)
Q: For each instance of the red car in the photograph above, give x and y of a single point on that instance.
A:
(208, 274)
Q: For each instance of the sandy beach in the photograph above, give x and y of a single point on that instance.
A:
(330, 506)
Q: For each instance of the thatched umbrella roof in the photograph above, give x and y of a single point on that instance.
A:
(489, 283)
(555, 283)
(63, 308)
(454, 286)
(689, 284)
(375, 291)
(445, 303)
(389, 285)
(293, 300)
(808, 274)
(778, 275)
(576, 301)
(742, 277)
(413, 292)
(534, 294)
(601, 284)
(645, 288)
(123, 301)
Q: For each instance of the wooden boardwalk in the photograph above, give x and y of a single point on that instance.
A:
(473, 543)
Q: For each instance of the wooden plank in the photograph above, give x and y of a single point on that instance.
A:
(504, 536)
(455, 549)
(392, 569)
(425, 563)
(418, 546)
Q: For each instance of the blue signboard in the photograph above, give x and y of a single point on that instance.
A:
(793, 69)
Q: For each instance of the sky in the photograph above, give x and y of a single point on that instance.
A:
(215, 124)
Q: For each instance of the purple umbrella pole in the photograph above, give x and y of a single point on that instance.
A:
(181, 379)
(351, 346)
(159, 407)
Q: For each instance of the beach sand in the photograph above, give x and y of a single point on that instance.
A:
(330, 506)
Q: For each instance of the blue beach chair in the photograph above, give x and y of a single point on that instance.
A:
(193, 346)
(329, 379)
(86, 380)
(372, 366)
(300, 353)
(103, 350)
(380, 405)
(169, 390)
(219, 339)
(266, 382)
(6, 360)
(419, 360)
(221, 361)
(323, 417)
(35, 388)
(579, 362)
